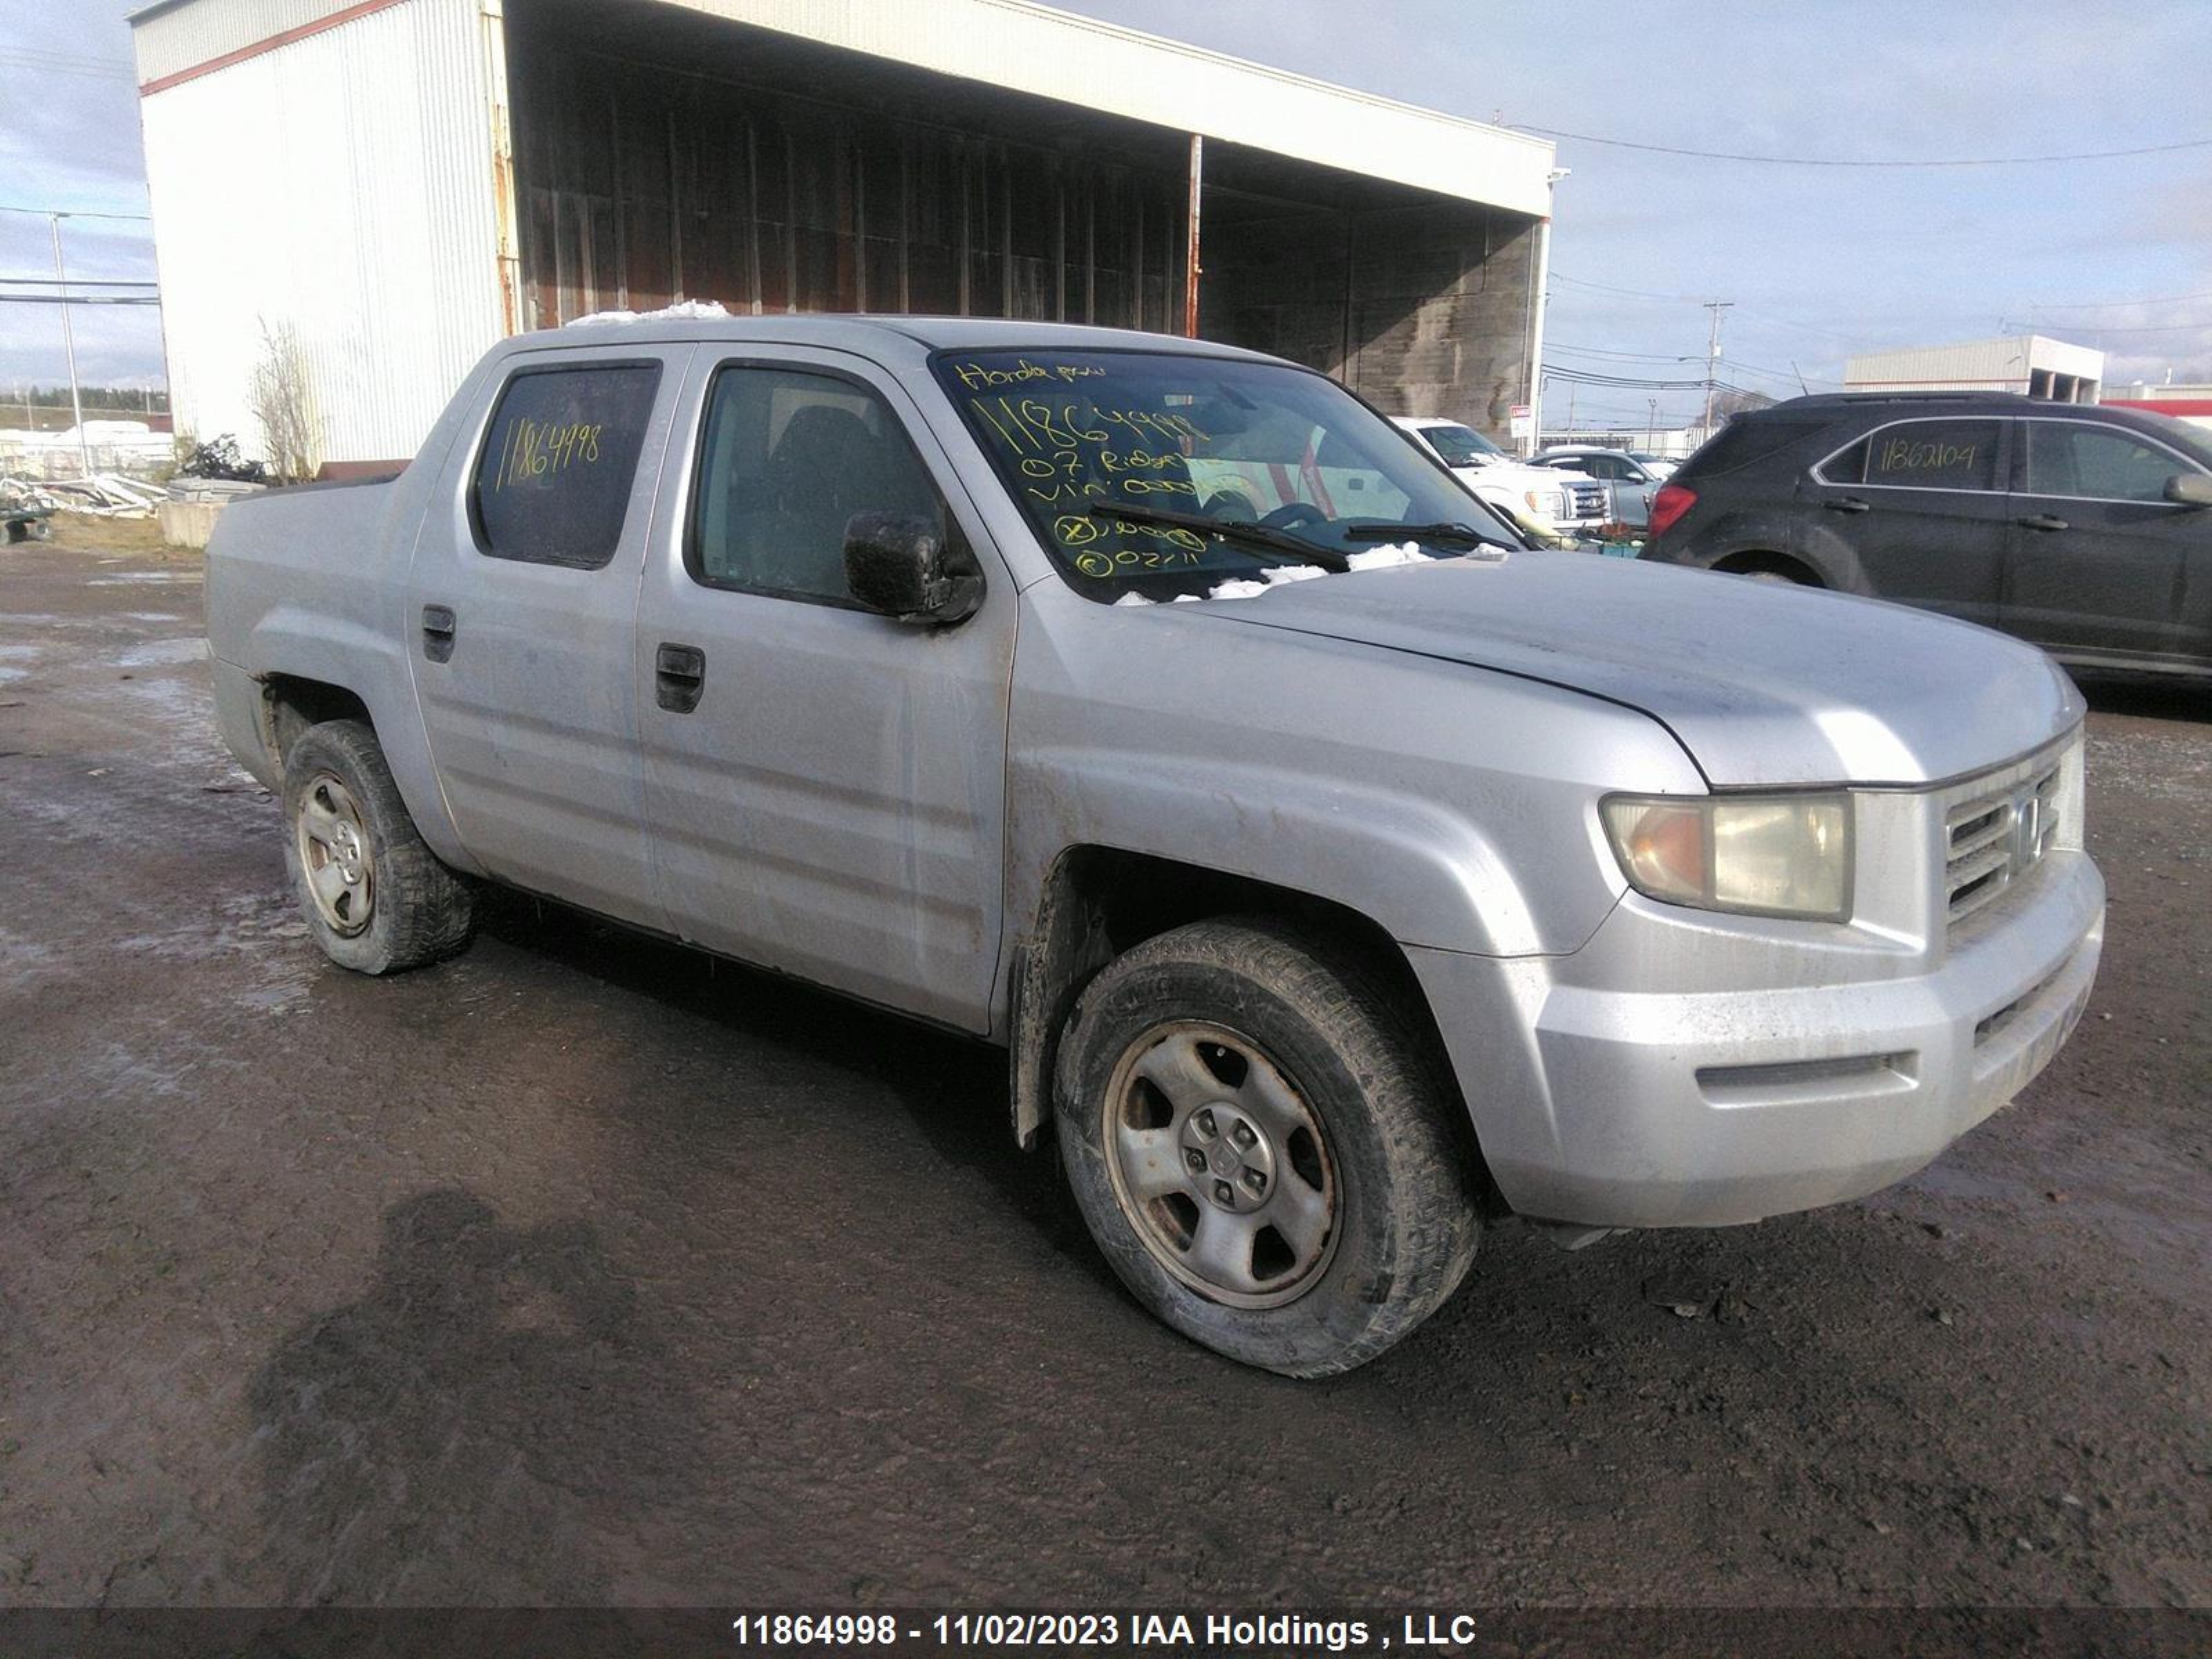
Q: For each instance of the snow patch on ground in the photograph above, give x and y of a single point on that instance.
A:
(163, 653)
(687, 311)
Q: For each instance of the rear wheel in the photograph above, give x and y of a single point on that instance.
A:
(1770, 567)
(375, 898)
(1260, 1149)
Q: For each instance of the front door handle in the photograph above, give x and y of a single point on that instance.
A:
(1847, 504)
(679, 678)
(2042, 521)
(438, 632)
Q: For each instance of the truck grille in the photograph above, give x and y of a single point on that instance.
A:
(1993, 841)
(1588, 500)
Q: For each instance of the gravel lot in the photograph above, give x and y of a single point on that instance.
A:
(583, 1269)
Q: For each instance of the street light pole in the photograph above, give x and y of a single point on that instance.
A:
(68, 345)
(1713, 358)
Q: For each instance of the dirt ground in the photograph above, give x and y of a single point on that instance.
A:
(584, 1270)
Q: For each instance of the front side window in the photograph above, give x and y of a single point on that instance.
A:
(2071, 458)
(789, 457)
(1075, 436)
(553, 482)
(1931, 455)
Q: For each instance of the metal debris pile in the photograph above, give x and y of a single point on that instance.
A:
(104, 495)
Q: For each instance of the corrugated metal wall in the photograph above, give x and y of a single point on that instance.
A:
(173, 39)
(341, 187)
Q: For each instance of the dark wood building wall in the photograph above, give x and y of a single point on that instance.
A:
(1423, 308)
(661, 156)
(639, 185)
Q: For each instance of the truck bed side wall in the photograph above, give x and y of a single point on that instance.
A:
(312, 584)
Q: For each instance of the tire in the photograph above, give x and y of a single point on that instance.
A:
(386, 903)
(1290, 1080)
(1794, 574)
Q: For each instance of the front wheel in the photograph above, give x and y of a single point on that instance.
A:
(375, 898)
(1260, 1149)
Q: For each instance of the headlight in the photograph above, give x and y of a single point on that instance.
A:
(1776, 855)
(1552, 504)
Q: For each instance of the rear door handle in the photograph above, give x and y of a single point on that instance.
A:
(2042, 521)
(438, 632)
(1847, 504)
(679, 678)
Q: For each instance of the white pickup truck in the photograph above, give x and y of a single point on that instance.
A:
(1341, 874)
(1558, 496)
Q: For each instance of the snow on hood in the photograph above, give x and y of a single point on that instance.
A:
(684, 311)
(1764, 685)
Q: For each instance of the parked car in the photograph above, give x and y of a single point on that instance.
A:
(1564, 500)
(1632, 482)
(1341, 874)
(2084, 529)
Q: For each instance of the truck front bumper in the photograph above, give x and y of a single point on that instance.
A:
(1605, 1105)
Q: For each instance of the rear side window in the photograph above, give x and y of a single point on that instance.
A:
(553, 483)
(1846, 466)
(1933, 455)
(1742, 441)
(789, 458)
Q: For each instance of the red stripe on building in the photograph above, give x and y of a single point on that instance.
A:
(2200, 407)
(262, 48)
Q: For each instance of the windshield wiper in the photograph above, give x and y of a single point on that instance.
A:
(1423, 532)
(1230, 529)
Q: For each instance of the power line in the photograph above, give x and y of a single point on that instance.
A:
(80, 282)
(2114, 305)
(77, 300)
(10, 60)
(77, 213)
(1840, 162)
(1558, 276)
(2154, 328)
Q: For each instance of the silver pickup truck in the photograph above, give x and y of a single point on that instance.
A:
(1339, 873)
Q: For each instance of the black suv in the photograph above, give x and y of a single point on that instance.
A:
(2086, 530)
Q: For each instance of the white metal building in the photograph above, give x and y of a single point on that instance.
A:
(2031, 364)
(395, 184)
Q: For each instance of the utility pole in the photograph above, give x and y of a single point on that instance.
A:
(1713, 358)
(1650, 423)
(68, 345)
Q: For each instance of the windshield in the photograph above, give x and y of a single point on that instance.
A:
(1179, 437)
(1462, 446)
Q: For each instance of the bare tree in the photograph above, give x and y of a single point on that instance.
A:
(1733, 402)
(283, 399)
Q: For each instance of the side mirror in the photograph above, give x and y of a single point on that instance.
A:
(2189, 489)
(901, 565)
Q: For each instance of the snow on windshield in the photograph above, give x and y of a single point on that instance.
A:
(1375, 558)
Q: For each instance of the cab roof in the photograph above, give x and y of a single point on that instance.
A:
(869, 333)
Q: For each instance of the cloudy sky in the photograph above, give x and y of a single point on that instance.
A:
(1818, 260)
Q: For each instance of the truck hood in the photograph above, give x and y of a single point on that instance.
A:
(1514, 474)
(1762, 683)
